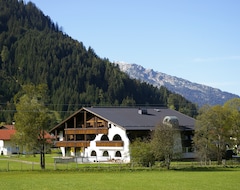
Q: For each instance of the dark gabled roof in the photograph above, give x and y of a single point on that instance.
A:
(130, 119)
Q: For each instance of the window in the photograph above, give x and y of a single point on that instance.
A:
(90, 137)
(117, 138)
(93, 153)
(118, 154)
(104, 138)
(105, 153)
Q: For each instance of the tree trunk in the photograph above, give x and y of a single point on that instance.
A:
(42, 163)
(167, 160)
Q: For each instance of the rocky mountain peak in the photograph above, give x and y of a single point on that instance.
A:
(196, 93)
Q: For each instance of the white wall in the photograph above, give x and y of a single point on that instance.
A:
(113, 130)
(1, 146)
(6, 148)
(61, 139)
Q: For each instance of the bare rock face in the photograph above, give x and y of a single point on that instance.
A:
(196, 93)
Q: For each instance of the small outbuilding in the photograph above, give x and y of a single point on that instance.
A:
(6, 146)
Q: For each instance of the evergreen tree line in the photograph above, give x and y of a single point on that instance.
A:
(34, 50)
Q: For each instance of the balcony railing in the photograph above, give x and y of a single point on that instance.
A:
(72, 144)
(110, 143)
(83, 131)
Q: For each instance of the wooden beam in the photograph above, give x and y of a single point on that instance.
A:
(75, 125)
(75, 122)
(65, 136)
(85, 119)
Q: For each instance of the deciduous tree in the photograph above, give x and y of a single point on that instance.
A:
(234, 106)
(32, 119)
(212, 132)
(164, 144)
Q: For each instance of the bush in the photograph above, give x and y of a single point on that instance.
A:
(140, 151)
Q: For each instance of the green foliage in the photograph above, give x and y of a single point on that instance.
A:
(34, 50)
(216, 127)
(212, 125)
(5, 54)
(164, 143)
(141, 153)
(179, 103)
(234, 120)
(233, 104)
(32, 119)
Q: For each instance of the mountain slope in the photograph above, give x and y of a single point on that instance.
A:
(197, 93)
(33, 50)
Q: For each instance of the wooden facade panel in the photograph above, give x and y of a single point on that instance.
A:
(110, 143)
(78, 131)
(72, 144)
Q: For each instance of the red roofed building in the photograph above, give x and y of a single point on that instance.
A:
(6, 147)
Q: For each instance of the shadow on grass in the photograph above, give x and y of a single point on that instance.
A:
(208, 168)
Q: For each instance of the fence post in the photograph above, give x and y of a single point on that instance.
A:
(55, 165)
(76, 163)
(150, 165)
(132, 166)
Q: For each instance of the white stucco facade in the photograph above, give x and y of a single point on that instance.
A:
(104, 153)
(6, 148)
(113, 130)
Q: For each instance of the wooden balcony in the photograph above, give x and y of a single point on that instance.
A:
(83, 131)
(72, 144)
(110, 143)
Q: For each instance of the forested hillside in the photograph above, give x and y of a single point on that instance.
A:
(35, 50)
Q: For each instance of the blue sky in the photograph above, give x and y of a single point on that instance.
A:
(197, 40)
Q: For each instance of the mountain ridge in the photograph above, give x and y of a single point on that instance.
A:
(194, 92)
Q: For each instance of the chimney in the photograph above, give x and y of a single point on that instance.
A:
(142, 111)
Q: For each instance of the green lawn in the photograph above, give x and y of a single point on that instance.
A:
(103, 180)
(25, 173)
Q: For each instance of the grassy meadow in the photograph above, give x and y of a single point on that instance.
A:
(25, 173)
(44, 180)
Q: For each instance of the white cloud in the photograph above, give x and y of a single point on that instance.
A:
(214, 59)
